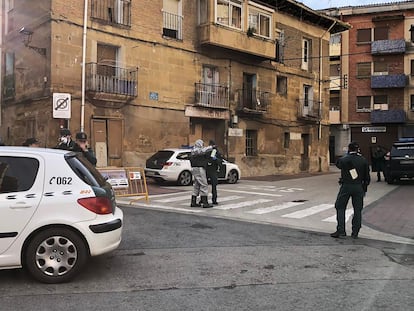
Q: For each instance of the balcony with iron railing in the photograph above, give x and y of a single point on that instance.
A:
(117, 12)
(253, 101)
(389, 81)
(172, 25)
(211, 95)
(384, 47)
(308, 110)
(111, 83)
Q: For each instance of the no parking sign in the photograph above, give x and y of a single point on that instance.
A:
(61, 105)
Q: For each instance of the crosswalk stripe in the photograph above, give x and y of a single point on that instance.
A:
(309, 211)
(171, 208)
(223, 199)
(282, 206)
(250, 192)
(348, 214)
(241, 204)
(174, 199)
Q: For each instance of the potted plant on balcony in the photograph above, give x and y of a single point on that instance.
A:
(251, 31)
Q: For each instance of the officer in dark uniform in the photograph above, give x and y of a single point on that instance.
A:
(354, 181)
(65, 140)
(81, 145)
(214, 161)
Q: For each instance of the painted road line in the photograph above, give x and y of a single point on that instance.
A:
(241, 204)
(222, 199)
(250, 192)
(348, 214)
(270, 209)
(309, 211)
(171, 208)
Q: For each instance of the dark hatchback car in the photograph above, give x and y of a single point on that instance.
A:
(401, 161)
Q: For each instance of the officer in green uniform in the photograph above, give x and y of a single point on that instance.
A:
(354, 181)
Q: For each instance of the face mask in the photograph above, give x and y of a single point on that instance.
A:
(64, 140)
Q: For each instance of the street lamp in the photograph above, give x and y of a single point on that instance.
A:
(28, 38)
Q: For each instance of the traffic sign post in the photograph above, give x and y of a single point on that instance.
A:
(61, 105)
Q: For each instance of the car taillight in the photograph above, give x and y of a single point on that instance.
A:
(167, 164)
(98, 205)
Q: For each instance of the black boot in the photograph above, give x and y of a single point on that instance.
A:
(205, 203)
(194, 201)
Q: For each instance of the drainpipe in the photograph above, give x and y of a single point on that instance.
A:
(85, 25)
(229, 122)
(320, 78)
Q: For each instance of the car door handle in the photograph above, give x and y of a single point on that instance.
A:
(20, 205)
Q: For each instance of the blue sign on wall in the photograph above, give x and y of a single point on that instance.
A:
(153, 96)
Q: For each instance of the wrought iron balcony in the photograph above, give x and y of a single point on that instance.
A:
(172, 25)
(389, 81)
(112, 11)
(253, 101)
(308, 109)
(111, 83)
(211, 95)
(384, 47)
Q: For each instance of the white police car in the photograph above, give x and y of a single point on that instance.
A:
(56, 210)
(174, 165)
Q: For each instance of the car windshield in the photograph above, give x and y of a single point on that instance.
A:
(402, 150)
(84, 169)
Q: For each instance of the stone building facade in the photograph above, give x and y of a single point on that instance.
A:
(145, 75)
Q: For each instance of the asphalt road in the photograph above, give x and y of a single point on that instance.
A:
(173, 261)
(304, 201)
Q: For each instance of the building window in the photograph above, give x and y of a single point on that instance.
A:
(172, 26)
(9, 76)
(412, 67)
(380, 102)
(307, 95)
(281, 85)
(112, 11)
(363, 103)
(335, 70)
(251, 143)
(260, 22)
(412, 33)
(10, 14)
(412, 102)
(229, 13)
(334, 101)
(364, 35)
(381, 33)
(363, 70)
(280, 43)
(380, 68)
(286, 140)
(306, 52)
(202, 12)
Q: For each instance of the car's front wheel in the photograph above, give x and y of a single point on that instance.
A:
(185, 178)
(55, 255)
(233, 177)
